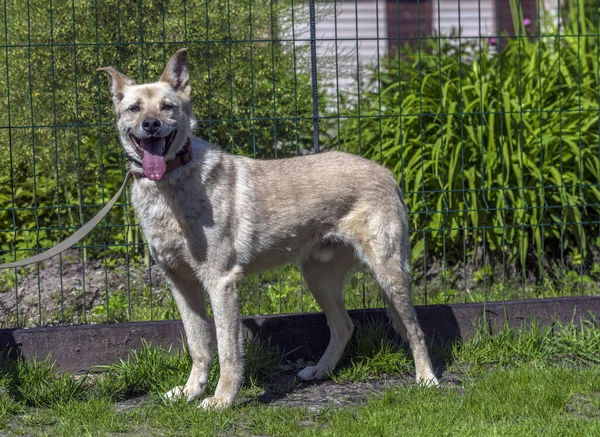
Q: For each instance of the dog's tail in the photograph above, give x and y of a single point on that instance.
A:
(404, 230)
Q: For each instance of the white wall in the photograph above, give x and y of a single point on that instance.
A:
(474, 17)
(356, 25)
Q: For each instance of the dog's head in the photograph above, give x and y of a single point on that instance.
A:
(154, 120)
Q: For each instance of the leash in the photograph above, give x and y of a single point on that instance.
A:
(70, 241)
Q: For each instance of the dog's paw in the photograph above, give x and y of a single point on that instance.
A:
(430, 381)
(310, 373)
(174, 394)
(215, 403)
(182, 392)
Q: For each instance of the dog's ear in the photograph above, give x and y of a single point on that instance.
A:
(176, 73)
(119, 83)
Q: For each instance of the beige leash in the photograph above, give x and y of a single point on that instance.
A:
(78, 235)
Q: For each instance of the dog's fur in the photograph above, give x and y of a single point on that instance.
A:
(219, 217)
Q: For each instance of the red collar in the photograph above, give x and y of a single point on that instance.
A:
(183, 157)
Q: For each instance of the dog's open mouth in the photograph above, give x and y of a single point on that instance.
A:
(153, 150)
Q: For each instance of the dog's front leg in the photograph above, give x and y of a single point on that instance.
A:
(199, 330)
(224, 301)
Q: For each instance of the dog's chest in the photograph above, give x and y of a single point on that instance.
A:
(163, 231)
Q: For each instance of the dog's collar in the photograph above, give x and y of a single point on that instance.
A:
(182, 158)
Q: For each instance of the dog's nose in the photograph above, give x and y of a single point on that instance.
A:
(151, 125)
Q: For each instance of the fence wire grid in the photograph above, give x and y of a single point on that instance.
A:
(486, 111)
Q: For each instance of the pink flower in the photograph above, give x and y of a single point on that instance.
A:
(527, 21)
(492, 41)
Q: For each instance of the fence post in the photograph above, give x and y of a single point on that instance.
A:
(313, 72)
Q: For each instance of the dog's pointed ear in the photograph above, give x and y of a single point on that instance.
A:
(176, 73)
(119, 83)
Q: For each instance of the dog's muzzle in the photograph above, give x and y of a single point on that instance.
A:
(181, 158)
(153, 150)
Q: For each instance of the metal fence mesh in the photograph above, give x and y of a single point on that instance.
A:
(485, 110)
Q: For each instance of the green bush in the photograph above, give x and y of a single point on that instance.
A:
(253, 98)
(494, 149)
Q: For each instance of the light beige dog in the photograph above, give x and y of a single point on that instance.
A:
(210, 218)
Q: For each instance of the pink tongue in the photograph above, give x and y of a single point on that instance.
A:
(154, 161)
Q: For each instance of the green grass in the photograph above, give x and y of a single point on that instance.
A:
(530, 381)
(373, 351)
(524, 400)
(567, 344)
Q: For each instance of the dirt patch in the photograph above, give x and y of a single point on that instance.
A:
(288, 391)
(321, 395)
(316, 396)
(39, 301)
(584, 405)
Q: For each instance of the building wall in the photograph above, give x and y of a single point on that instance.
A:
(474, 17)
(351, 32)
(348, 31)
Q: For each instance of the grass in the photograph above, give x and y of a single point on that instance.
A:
(566, 344)
(373, 351)
(530, 381)
(524, 400)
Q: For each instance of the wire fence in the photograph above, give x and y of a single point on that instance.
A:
(491, 131)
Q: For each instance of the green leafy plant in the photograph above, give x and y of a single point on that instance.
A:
(38, 382)
(493, 149)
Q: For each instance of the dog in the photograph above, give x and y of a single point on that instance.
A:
(210, 218)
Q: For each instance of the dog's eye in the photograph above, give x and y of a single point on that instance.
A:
(167, 107)
(134, 108)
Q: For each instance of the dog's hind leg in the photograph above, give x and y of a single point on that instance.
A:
(191, 302)
(392, 271)
(325, 281)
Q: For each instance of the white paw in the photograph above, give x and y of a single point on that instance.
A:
(215, 403)
(430, 381)
(181, 392)
(174, 394)
(311, 372)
